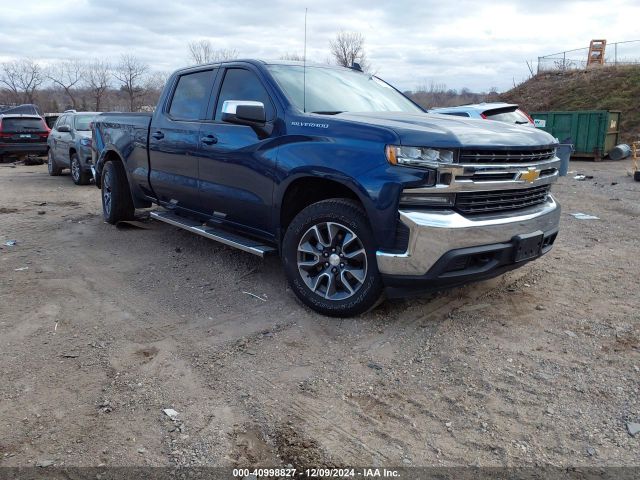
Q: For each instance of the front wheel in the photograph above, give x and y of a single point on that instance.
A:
(116, 198)
(329, 258)
(79, 177)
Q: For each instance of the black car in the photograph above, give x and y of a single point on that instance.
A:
(22, 135)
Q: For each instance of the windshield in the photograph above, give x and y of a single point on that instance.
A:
(18, 124)
(332, 90)
(83, 121)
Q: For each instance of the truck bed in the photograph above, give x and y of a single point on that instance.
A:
(126, 134)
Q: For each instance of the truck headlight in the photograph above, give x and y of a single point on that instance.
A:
(418, 156)
(85, 142)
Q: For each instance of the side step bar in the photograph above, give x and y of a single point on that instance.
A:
(222, 236)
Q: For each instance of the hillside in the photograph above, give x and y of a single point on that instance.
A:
(610, 88)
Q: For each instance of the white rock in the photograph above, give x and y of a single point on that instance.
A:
(171, 413)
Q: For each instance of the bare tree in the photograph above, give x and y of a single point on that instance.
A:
(202, 51)
(22, 78)
(296, 57)
(152, 89)
(67, 74)
(348, 48)
(130, 72)
(98, 74)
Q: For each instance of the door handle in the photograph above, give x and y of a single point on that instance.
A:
(158, 135)
(209, 140)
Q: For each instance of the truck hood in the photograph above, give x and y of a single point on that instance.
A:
(83, 133)
(435, 130)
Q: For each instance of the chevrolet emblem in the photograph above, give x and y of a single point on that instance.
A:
(530, 175)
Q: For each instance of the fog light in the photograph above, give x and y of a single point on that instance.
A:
(425, 199)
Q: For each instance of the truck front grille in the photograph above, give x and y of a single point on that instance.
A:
(500, 200)
(520, 157)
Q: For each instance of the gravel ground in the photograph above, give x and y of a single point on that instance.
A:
(101, 329)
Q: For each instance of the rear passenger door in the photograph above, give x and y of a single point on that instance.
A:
(236, 166)
(174, 141)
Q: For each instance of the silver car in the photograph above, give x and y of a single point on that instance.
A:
(501, 112)
(70, 146)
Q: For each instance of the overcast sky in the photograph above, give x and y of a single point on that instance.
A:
(461, 43)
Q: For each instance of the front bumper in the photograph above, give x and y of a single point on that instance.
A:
(438, 238)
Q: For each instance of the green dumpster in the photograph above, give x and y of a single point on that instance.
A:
(592, 132)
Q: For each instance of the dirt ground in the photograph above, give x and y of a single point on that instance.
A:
(101, 329)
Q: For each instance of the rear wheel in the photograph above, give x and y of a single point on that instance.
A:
(52, 166)
(329, 258)
(79, 177)
(116, 198)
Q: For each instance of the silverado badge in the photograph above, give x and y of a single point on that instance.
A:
(530, 175)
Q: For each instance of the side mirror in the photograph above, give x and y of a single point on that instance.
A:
(64, 128)
(244, 112)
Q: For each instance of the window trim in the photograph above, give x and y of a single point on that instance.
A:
(204, 108)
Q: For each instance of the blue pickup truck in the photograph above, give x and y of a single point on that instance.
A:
(358, 190)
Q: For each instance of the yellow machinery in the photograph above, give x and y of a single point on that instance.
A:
(596, 52)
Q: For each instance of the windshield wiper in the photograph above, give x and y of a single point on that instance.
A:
(328, 112)
(522, 122)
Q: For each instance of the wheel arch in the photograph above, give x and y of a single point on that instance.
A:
(306, 190)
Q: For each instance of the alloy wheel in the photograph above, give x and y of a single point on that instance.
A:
(75, 169)
(106, 192)
(332, 261)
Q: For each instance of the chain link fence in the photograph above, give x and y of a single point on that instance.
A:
(618, 53)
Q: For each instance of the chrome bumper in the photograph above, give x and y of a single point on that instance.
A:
(434, 233)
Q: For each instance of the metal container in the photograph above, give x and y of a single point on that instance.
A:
(563, 152)
(593, 133)
(620, 152)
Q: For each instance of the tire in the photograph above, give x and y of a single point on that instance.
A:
(52, 167)
(117, 204)
(77, 175)
(636, 175)
(326, 278)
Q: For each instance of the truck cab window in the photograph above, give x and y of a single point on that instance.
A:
(240, 84)
(190, 95)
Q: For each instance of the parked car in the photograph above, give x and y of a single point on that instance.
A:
(51, 118)
(24, 109)
(353, 184)
(22, 135)
(70, 146)
(501, 112)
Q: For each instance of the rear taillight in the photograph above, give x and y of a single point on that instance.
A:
(483, 116)
(4, 135)
(46, 132)
(528, 116)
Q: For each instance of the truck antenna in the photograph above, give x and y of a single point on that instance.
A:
(304, 66)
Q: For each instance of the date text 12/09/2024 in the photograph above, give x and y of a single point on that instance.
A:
(315, 473)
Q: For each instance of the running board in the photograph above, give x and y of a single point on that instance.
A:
(217, 234)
